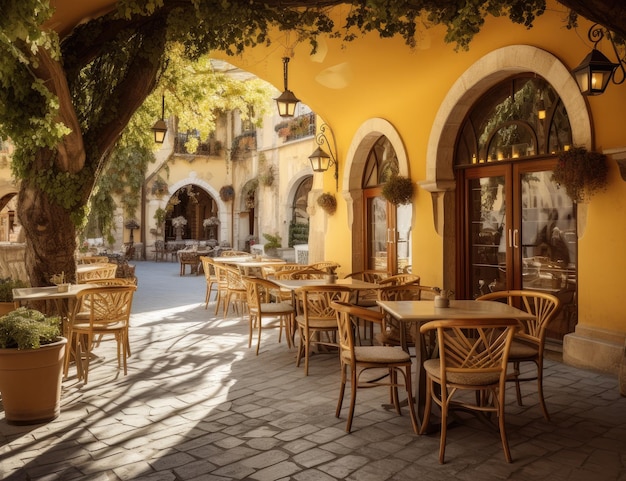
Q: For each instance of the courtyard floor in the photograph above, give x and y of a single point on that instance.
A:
(197, 404)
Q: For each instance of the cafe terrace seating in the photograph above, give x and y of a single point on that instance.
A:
(96, 271)
(528, 343)
(473, 357)
(235, 290)
(234, 253)
(191, 259)
(92, 260)
(102, 310)
(316, 318)
(360, 359)
(307, 273)
(366, 298)
(263, 310)
(390, 328)
(327, 266)
(210, 275)
(399, 279)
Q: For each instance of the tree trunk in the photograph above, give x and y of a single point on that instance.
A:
(50, 236)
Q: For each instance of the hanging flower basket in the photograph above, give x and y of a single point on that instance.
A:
(398, 190)
(227, 193)
(582, 173)
(327, 202)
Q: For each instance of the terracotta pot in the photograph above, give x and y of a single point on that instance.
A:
(30, 383)
(6, 307)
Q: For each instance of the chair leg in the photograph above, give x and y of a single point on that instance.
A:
(411, 401)
(444, 424)
(342, 389)
(516, 374)
(499, 398)
(542, 401)
(427, 406)
(259, 320)
(353, 389)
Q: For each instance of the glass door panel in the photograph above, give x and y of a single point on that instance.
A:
(378, 233)
(520, 234)
(487, 228)
(403, 236)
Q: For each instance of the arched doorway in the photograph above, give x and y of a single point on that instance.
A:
(299, 223)
(478, 79)
(517, 228)
(380, 232)
(198, 208)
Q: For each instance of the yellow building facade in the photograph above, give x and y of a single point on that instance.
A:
(418, 99)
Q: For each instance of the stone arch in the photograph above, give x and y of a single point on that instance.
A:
(475, 81)
(362, 141)
(223, 207)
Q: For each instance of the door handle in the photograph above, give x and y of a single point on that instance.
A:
(515, 239)
(510, 236)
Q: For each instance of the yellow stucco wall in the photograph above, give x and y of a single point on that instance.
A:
(349, 84)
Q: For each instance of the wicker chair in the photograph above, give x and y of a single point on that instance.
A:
(473, 356)
(263, 310)
(210, 275)
(99, 311)
(190, 259)
(316, 318)
(359, 359)
(528, 344)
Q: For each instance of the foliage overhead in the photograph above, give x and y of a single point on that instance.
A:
(65, 102)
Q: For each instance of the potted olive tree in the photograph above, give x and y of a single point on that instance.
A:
(31, 366)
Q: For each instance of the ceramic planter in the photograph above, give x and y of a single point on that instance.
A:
(30, 383)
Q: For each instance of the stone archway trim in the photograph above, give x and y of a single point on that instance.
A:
(362, 141)
(223, 208)
(486, 72)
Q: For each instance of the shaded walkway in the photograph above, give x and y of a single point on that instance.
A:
(198, 405)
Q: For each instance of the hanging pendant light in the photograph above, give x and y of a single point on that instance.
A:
(160, 127)
(287, 101)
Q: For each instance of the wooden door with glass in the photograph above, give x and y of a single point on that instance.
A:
(386, 227)
(518, 228)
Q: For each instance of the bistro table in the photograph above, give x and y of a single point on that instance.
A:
(254, 266)
(415, 313)
(64, 302)
(355, 285)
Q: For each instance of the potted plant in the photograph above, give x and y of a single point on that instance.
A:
(179, 224)
(582, 173)
(31, 366)
(398, 190)
(327, 202)
(227, 193)
(274, 242)
(6, 293)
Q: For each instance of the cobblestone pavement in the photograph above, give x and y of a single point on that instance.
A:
(197, 404)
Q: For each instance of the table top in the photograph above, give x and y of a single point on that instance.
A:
(48, 292)
(459, 309)
(354, 284)
(200, 252)
(232, 259)
(80, 268)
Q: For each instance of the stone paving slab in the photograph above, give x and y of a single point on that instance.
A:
(197, 404)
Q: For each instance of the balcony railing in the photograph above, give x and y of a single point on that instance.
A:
(208, 147)
(296, 128)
